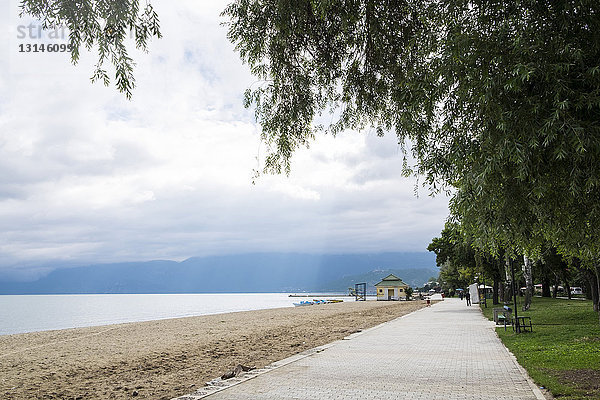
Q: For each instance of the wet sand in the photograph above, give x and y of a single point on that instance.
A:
(168, 358)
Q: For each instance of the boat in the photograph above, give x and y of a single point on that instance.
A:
(316, 301)
(304, 303)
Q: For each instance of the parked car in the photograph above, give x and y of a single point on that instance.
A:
(576, 290)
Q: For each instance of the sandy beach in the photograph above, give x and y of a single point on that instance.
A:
(167, 358)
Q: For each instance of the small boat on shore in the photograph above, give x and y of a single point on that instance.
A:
(304, 303)
(317, 301)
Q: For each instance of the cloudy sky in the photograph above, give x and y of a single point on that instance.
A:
(87, 176)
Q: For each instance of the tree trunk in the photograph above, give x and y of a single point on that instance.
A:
(598, 289)
(507, 298)
(555, 290)
(588, 285)
(528, 282)
(546, 287)
(568, 289)
(593, 286)
(495, 292)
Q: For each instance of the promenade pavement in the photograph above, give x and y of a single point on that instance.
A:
(446, 351)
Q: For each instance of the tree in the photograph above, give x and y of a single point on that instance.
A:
(461, 263)
(453, 277)
(544, 276)
(527, 173)
(492, 267)
(455, 257)
(103, 24)
(528, 275)
(499, 100)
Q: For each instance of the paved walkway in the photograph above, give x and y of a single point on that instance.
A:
(447, 351)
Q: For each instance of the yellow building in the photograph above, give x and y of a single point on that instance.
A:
(391, 288)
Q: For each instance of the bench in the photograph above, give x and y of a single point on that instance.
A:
(503, 316)
(525, 324)
(498, 314)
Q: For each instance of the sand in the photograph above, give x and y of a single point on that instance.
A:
(168, 358)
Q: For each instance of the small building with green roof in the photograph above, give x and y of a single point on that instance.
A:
(391, 288)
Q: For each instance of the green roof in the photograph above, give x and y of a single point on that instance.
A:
(391, 280)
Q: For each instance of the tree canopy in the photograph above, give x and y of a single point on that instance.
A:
(455, 256)
(532, 174)
(104, 25)
(498, 102)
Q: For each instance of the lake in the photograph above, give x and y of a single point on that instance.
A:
(31, 313)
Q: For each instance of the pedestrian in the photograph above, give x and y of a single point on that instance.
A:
(460, 294)
(468, 296)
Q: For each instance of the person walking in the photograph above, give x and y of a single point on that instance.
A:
(460, 294)
(468, 297)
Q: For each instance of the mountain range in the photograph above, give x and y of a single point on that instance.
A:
(258, 272)
(415, 277)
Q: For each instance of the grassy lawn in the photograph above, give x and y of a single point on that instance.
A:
(563, 352)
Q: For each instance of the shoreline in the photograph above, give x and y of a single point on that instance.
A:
(37, 313)
(163, 359)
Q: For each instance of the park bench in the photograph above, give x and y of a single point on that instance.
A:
(525, 324)
(503, 316)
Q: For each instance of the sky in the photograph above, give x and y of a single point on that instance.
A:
(87, 176)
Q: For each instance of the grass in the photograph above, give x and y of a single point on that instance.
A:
(563, 352)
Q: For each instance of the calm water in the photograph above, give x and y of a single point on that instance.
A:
(19, 314)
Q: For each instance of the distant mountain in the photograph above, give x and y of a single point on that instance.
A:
(415, 277)
(261, 272)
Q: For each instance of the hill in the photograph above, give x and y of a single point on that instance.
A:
(260, 272)
(415, 277)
